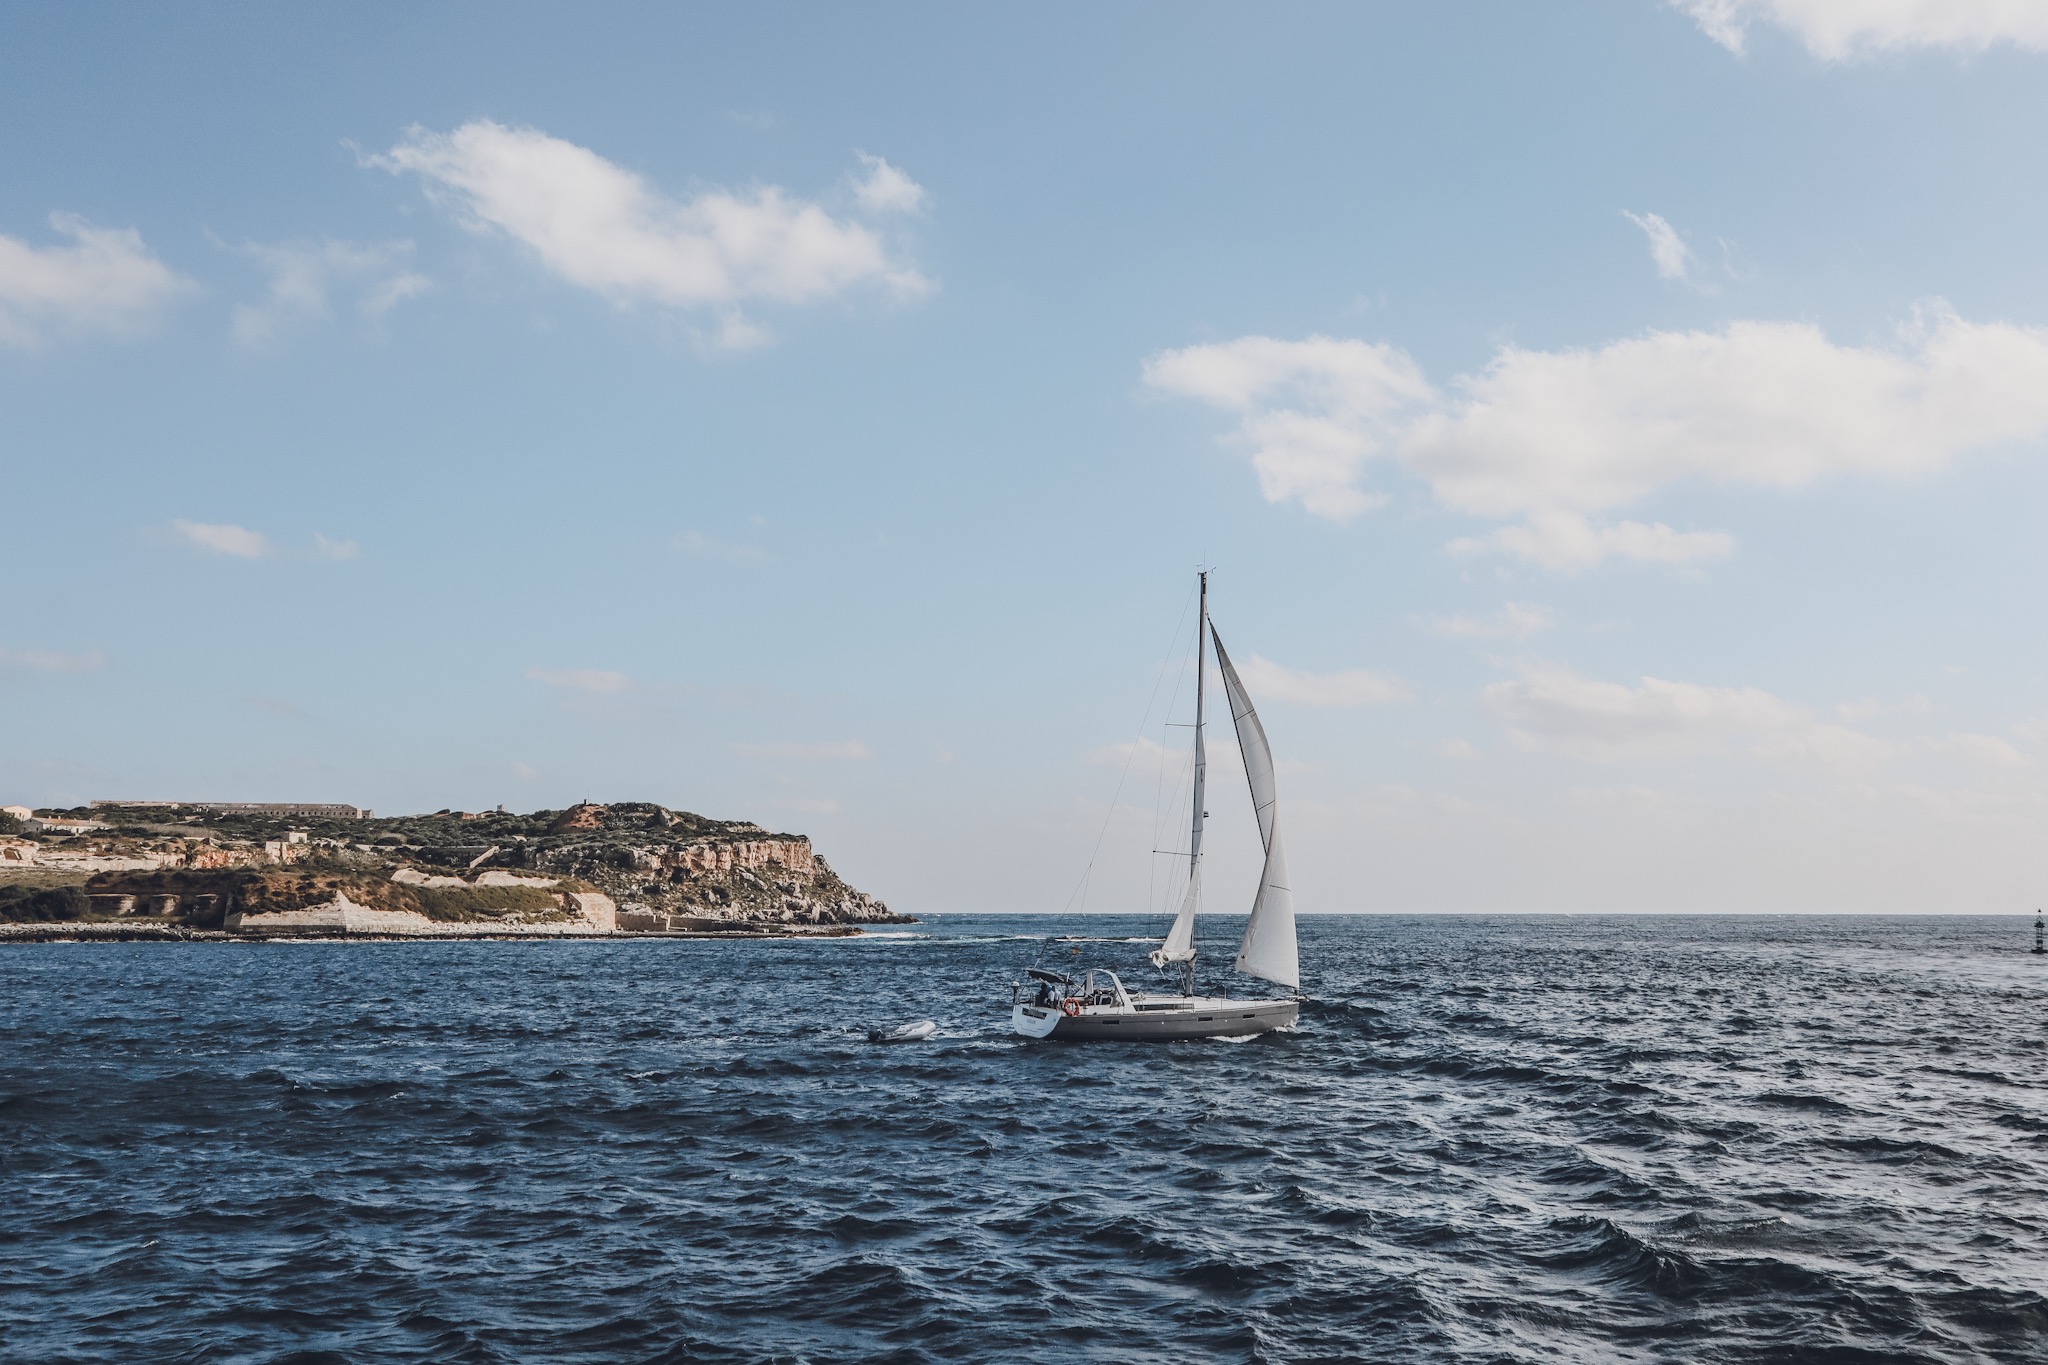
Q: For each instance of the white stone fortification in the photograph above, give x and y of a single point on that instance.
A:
(342, 915)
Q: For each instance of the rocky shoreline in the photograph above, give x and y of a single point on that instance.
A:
(115, 931)
(633, 869)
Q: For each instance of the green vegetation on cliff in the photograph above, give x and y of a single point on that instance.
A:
(43, 904)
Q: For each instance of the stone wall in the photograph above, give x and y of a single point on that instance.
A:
(343, 916)
(88, 860)
(599, 909)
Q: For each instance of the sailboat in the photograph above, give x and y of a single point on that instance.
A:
(1097, 1004)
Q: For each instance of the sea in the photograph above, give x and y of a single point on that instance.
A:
(1490, 1139)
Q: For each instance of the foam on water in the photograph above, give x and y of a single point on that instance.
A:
(1574, 1139)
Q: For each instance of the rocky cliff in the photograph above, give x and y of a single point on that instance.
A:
(662, 869)
(660, 863)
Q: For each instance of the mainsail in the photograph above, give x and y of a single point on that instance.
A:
(1180, 940)
(1268, 949)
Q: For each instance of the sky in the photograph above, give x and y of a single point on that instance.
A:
(1616, 431)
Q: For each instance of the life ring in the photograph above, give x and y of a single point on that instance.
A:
(1071, 1008)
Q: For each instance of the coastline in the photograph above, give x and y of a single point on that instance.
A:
(152, 872)
(76, 932)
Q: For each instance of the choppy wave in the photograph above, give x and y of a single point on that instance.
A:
(1488, 1140)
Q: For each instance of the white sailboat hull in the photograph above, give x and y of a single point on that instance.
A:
(1157, 1019)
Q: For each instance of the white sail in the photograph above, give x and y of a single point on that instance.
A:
(1268, 949)
(1180, 940)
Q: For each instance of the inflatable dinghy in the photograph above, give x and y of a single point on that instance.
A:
(904, 1033)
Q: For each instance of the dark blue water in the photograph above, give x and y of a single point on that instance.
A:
(1598, 1139)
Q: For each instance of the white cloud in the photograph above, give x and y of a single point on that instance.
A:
(2033, 731)
(1567, 542)
(1989, 750)
(1145, 754)
(1313, 412)
(1772, 405)
(1554, 436)
(1833, 746)
(1673, 258)
(697, 543)
(1514, 621)
(1268, 681)
(304, 276)
(1551, 709)
(1863, 710)
(105, 282)
(1842, 30)
(604, 228)
(738, 332)
(52, 660)
(1613, 797)
(1457, 748)
(2018, 812)
(238, 542)
(1839, 746)
(886, 189)
(830, 749)
(596, 681)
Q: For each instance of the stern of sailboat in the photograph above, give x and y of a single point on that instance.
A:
(1033, 1021)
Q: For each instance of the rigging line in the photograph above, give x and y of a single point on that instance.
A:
(1162, 802)
(1159, 785)
(1080, 891)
